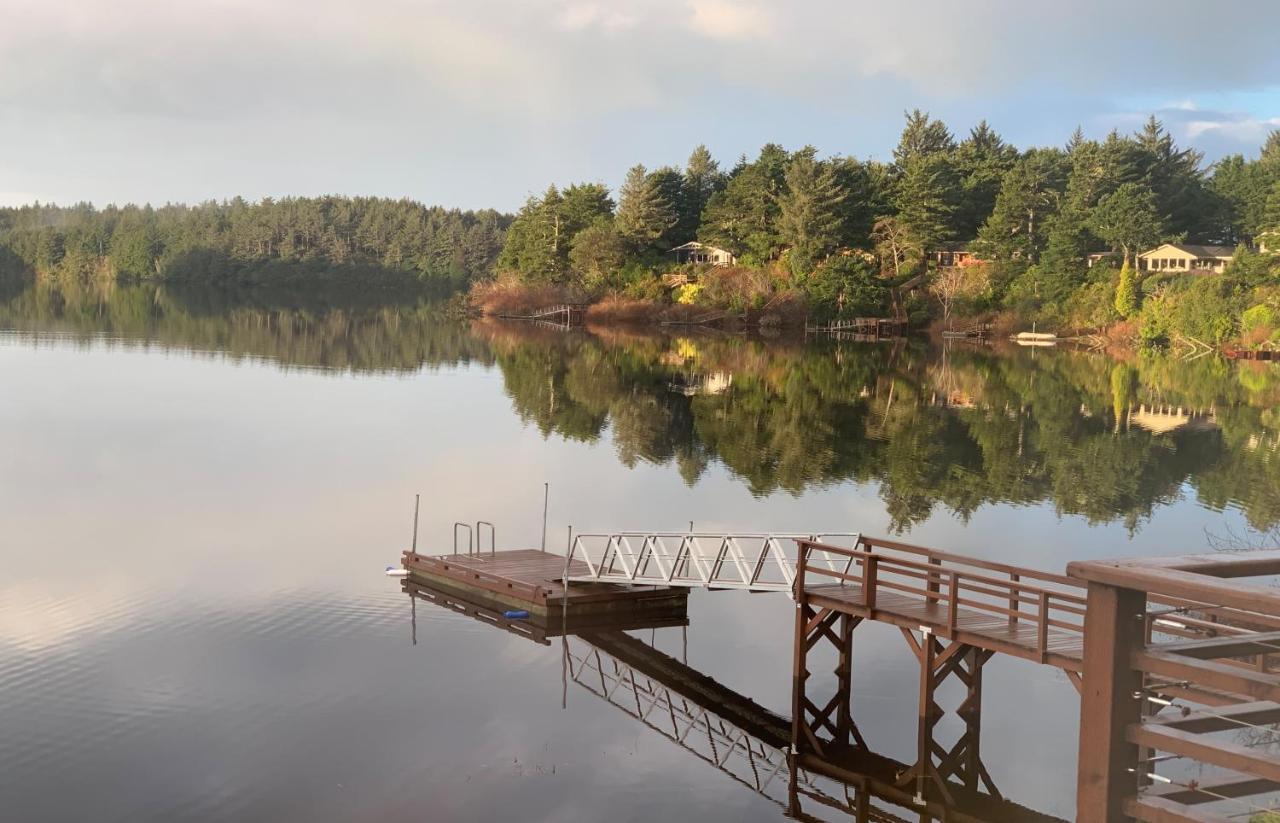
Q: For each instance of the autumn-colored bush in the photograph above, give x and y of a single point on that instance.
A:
(620, 309)
(736, 288)
(508, 297)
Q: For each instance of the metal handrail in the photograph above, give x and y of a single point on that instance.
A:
(708, 559)
(470, 538)
(493, 537)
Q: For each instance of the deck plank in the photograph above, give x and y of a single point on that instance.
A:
(982, 629)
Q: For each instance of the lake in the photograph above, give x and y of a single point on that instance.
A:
(200, 491)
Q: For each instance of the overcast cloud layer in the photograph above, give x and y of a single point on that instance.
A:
(480, 102)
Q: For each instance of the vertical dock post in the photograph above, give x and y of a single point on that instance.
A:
(546, 498)
(1114, 627)
(416, 499)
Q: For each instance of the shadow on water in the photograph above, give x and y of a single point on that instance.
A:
(959, 427)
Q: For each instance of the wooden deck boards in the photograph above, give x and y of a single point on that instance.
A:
(1064, 649)
(530, 579)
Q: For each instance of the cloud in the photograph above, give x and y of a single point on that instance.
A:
(1244, 128)
(724, 20)
(579, 16)
(482, 101)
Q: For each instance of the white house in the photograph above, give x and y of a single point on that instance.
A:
(695, 252)
(1183, 257)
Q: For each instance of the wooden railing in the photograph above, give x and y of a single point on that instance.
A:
(953, 588)
(1151, 699)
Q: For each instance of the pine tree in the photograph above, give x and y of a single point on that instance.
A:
(922, 137)
(981, 161)
(644, 213)
(1127, 219)
(702, 179)
(922, 202)
(810, 210)
(1029, 196)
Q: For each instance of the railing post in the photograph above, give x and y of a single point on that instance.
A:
(1109, 701)
(1042, 629)
(1015, 602)
(934, 583)
(870, 573)
(953, 604)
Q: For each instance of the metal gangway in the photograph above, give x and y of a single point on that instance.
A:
(749, 562)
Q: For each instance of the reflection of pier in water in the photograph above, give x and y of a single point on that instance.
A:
(729, 731)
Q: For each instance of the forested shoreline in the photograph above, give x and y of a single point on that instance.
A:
(1053, 233)
(236, 241)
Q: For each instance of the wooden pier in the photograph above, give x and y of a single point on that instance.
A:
(1167, 656)
(561, 315)
(870, 327)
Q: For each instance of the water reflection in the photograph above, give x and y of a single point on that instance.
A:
(728, 731)
(956, 428)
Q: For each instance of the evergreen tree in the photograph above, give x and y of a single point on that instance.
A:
(922, 137)
(644, 213)
(981, 161)
(1127, 219)
(1070, 231)
(597, 252)
(1270, 222)
(743, 217)
(1127, 292)
(1176, 179)
(809, 218)
(702, 179)
(1015, 234)
(922, 201)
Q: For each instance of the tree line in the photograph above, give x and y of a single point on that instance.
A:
(836, 229)
(268, 239)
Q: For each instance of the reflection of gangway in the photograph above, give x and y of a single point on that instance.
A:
(754, 562)
(710, 723)
(751, 744)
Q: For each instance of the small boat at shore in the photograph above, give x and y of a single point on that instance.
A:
(1036, 336)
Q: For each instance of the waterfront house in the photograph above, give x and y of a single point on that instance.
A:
(1185, 257)
(1093, 258)
(695, 252)
(954, 253)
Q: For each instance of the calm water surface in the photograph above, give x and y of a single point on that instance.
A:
(199, 492)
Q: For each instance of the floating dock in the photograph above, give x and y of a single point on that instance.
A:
(531, 580)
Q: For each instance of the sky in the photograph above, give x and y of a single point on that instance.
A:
(480, 103)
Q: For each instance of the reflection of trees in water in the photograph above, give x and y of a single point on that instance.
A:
(960, 431)
(971, 428)
(335, 327)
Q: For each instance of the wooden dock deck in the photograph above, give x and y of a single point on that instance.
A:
(540, 628)
(530, 579)
(1018, 638)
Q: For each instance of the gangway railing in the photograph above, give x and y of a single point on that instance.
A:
(755, 759)
(750, 761)
(751, 562)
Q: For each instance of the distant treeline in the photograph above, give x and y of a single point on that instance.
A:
(237, 240)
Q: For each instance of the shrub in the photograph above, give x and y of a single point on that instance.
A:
(1127, 295)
